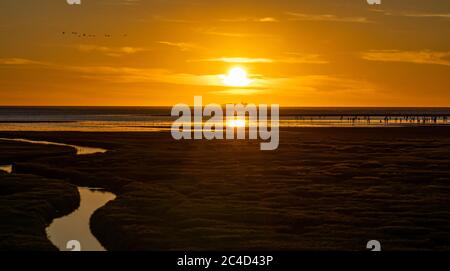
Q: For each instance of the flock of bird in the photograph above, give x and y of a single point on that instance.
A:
(84, 35)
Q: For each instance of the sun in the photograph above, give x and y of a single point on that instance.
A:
(236, 123)
(236, 77)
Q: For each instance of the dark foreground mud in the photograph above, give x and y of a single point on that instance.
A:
(323, 189)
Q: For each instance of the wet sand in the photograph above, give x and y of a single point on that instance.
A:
(323, 189)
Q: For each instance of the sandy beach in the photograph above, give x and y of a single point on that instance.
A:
(323, 189)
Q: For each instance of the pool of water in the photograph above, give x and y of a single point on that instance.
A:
(80, 150)
(75, 226)
(6, 168)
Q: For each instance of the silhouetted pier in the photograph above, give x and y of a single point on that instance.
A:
(378, 115)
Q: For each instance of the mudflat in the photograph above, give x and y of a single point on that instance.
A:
(323, 189)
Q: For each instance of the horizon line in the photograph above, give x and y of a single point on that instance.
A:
(167, 106)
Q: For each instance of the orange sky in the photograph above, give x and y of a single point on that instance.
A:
(163, 52)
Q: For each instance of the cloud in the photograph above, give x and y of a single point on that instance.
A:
(304, 59)
(238, 91)
(321, 83)
(234, 60)
(428, 15)
(113, 74)
(227, 34)
(183, 46)
(304, 84)
(121, 74)
(251, 19)
(123, 2)
(172, 20)
(267, 20)
(20, 61)
(109, 51)
(215, 32)
(131, 2)
(325, 18)
(413, 14)
(417, 57)
(143, 75)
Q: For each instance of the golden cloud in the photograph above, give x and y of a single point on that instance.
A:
(417, 57)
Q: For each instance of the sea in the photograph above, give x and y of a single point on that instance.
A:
(148, 119)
